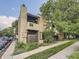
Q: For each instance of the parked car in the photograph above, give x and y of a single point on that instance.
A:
(3, 43)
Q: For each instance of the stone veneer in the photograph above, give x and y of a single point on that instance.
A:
(23, 26)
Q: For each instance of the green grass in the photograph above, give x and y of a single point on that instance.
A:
(21, 47)
(74, 55)
(49, 52)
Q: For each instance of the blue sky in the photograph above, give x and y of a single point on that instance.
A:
(9, 10)
(12, 7)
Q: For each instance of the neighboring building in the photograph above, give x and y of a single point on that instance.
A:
(30, 27)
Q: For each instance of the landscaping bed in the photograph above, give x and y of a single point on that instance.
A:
(49, 52)
(21, 47)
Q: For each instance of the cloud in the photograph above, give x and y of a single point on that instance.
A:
(13, 8)
(6, 21)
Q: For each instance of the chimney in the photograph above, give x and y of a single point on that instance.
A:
(22, 25)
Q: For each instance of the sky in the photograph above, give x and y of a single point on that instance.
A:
(12, 7)
(6, 21)
(9, 10)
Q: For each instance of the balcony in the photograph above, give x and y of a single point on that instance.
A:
(32, 26)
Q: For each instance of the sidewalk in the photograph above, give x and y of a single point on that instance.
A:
(65, 52)
(9, 51)
(40, 49)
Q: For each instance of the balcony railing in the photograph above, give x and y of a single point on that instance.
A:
(33, 26)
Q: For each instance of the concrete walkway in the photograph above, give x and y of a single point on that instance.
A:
(65, 52)
(10, 50)
(40, 49)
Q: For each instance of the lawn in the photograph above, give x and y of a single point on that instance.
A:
(74, 55)
(49, 52)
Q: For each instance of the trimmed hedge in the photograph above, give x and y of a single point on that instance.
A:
(49, 52)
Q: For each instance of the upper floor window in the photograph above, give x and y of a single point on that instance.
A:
(32, 18)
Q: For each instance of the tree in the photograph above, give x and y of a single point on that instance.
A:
(8, 32)
(0, 33)
(15, 26)
(63, 14)
(15, 23)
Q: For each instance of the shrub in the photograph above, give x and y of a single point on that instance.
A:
(32, 46)
(48, 37)
(49, 52)
(21, 47)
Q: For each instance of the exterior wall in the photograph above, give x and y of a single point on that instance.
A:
(41, 29)
(22, 25)
(34, 27)
(39, 26)
(61, 36)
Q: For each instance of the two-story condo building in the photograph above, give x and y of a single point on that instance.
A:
(30, 27)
